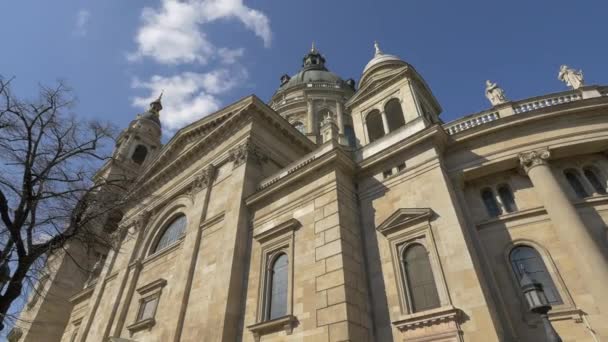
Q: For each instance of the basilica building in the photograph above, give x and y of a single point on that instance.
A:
(350, 211)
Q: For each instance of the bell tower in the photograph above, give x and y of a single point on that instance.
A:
(140, 141)
(391, 95)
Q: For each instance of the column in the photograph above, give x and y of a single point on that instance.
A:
(310, 115)
(339, 113)
(591, 263)
(385, 123)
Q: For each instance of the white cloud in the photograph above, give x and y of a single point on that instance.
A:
(172, 33)
(82, 19)
(188, 96)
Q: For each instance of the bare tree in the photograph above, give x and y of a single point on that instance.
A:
(49, 192)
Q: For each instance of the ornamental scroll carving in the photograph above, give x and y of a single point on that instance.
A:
(202, 180)
(245, 151)
(138, 222)
(531, 159)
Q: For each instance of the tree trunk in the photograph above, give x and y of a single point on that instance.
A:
(13, 291)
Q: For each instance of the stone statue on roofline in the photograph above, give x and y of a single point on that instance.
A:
(572, 78)
(495, 94)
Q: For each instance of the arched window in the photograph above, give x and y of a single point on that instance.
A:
(394, 114)
(526, 259)
(299, 126)
(172, 233)
(487, 195)
(277, 291)
(592, 176)
(349, 132)
(575, 183)
(139, 155)
(419, 277)
(375, 128)
(506, 197)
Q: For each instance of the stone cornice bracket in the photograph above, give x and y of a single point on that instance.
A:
(245, 151)
(530, 159)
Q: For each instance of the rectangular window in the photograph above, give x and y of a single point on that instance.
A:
(147, 308)
(148, 303)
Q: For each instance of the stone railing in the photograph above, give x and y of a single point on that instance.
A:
(323, 85)
(284, 102)
(527, 106)
(523, 106)
(470, 122)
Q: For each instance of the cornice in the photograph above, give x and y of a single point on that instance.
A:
(434, 132)
(247, 112)
(336, 157)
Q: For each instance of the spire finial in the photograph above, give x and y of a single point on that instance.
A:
(156, 105)
(313, 48)
(377, 47)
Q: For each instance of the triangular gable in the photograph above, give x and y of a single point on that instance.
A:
(376, 82)
(404, 217)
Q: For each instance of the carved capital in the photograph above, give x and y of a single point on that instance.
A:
(203, 179)
(247, 151)
(528, 160)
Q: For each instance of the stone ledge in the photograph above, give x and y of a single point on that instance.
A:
(286, 323)
(82, 295)
(287, 226)
(141, 325)
(445, 314)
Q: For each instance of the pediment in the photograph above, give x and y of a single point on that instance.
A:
(376, 82)
(404, 218)
(190, 142)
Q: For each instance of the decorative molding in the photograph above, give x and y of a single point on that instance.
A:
(438, 324)
(404, 217)
(147, 323)
(286, 323)
(245, 151)
(202, 180)
(82, 295)
(212, 220)
(154, 286)
(531, 159)
(287, 226)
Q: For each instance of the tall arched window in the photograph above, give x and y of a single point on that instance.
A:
(506, 197)
(139, 155)
(277, 291)
(526, 259)
(419, 277)
(487, 195)
(349, 133)
(299, 126)
(574, 180)
(375, 128)
(593, 177)
(172, 233)
(394, 114)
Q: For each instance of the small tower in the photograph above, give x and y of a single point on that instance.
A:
(329, 129)
(141, 140)
(391, 95)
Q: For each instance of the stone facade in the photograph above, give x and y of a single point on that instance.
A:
(258, 181)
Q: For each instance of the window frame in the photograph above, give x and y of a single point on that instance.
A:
(153, 249)
(397, 102)
(145, 154)
(566, 308)
(149, 292)
(416, 228)
(600, 178)
(502, 201)
(366, 119)
(403, 248)
(577, 174)
(274, 242)
(494, 198)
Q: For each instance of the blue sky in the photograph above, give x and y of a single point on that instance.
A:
(118, 54)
